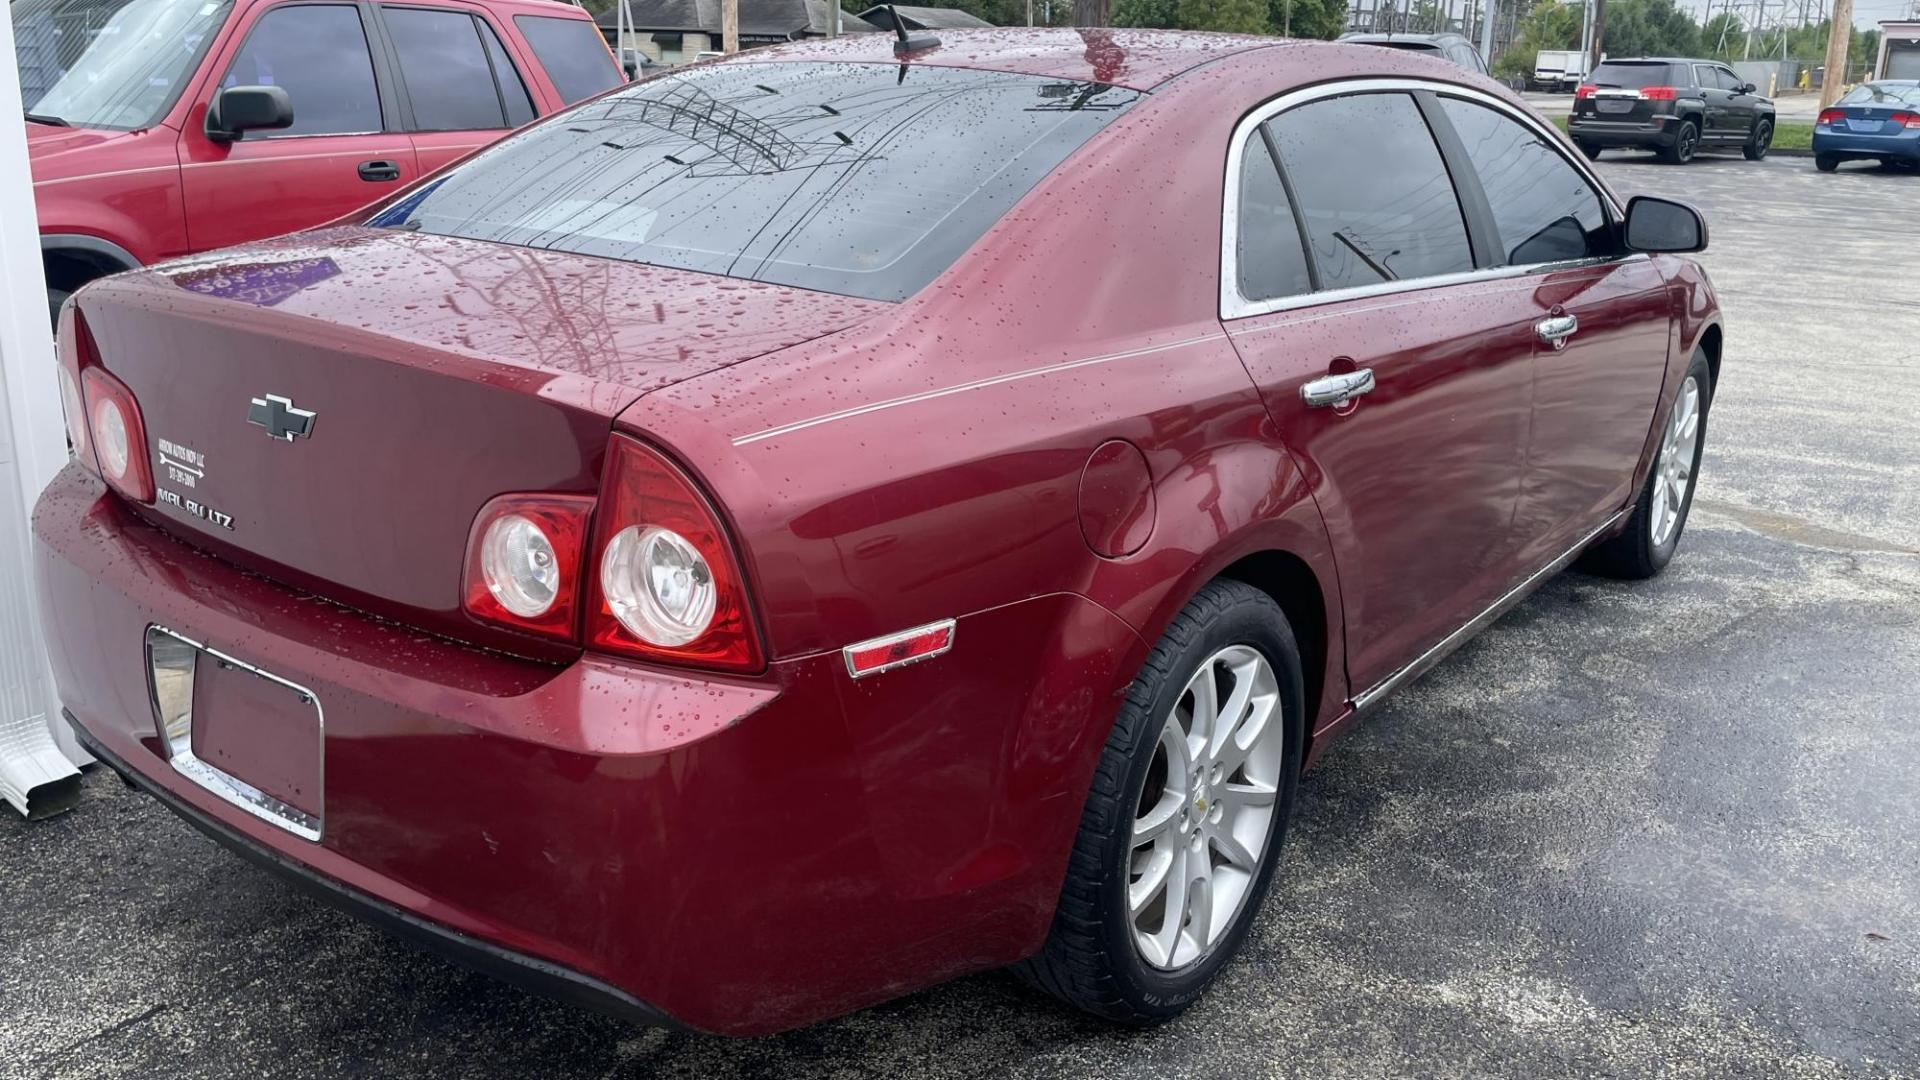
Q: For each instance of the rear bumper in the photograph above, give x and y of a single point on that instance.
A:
(733, 855)
(1658, 132)
(528, 972)
(1849, 145)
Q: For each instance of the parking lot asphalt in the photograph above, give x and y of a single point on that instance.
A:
(1668, 828)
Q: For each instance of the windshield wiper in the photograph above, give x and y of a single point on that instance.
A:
(44, 118)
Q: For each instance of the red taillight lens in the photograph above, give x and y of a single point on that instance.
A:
(118, 435)
(74, 355)
(1581, 93)
(667, 586)
(1830, 116)
(1907, 119)
(1659, 93)
(524, 555)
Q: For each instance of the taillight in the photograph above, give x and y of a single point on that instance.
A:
(119, 436)
(1830, 116)
(1659, 93)
(1581, 93)
(1906, 119)
(74, 354)
(668, 586)
(524, 556)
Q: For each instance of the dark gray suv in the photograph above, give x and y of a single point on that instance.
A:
(1674, 107)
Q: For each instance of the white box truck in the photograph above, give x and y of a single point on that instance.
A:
(1559, 69)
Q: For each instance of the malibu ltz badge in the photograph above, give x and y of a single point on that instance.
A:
(280, 418)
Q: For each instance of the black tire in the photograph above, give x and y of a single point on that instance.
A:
(1826, 162)
(1760, 141)
(1592, 150)
(1633, 554)
(1685, 142)
(1090, 959)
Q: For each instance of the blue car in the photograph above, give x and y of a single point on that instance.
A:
(1874, 120)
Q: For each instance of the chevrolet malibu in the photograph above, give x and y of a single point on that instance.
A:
(798, 529)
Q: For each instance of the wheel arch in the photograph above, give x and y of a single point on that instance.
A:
(1292, 584)
(73, 259)
(1709, 342)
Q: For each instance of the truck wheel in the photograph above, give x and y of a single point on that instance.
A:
(1684, 144)
(1183, 825)
(1760, 142)
(1592, 150)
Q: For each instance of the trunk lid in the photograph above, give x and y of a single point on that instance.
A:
(351, 398)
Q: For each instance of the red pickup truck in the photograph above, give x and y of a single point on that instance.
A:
(164, 127)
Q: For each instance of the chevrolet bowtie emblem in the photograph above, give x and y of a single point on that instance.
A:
(280, 418)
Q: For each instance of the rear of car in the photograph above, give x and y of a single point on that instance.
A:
(1634, 103)
(365, 569)
(1873, 121)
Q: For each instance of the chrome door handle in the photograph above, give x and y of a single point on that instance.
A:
(1557, 330)
(1337, 389)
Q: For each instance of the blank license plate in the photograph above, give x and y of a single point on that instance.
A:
(246, 735)
(1871, 127)
(1614, 105)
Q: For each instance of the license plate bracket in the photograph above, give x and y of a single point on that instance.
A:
(250, 721)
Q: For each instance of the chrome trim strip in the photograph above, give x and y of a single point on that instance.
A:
(949, 625)
(977, 384)
(1235, 306)
(230, 788)
(1426, 660)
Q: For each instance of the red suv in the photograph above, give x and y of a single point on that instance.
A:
(164, 127)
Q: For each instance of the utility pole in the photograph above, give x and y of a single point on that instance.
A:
(1488, 11)
(730, 26)
(1599, 34)
(833, 18)
(1029, 12)
(1839, 37)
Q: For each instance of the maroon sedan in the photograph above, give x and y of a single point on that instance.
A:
(799, 529)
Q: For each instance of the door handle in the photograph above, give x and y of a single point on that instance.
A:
(1337, 389)
(379, 171)
(1556, 330)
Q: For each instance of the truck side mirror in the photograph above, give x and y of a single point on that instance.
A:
(237, 110)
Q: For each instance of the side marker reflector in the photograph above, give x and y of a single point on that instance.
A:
(897, 650)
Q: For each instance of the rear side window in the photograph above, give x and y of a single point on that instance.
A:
(1634, 76)
(317, 53)
(513, 90)
(445, 66)
(574, 54)
(1543, 207)
(861, 179)
(1271, 261)
(1373, 190)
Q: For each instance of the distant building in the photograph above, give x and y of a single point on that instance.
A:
(1899, 51)
(678, 31)
(924, 18)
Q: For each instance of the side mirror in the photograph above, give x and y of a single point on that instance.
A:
(1748, 88)
(237, 110)
(1662, 225)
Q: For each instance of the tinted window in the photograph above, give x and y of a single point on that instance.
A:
(1543, 208)
(574, 54)
(513, 91)
(1706, 78)
(318, 54)
(865, 179)
(1627, 76)
(445, 67)
(1728, 80)
(1272, 262)
(1374, 193)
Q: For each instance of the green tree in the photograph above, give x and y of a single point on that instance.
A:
(1159, 14)
(1549, 24)
(1649, 28)
(1229, 16)
(1322, 19)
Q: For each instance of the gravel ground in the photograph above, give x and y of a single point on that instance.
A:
(1659, 829)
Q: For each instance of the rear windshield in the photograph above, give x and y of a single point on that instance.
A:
(1633, 76)
(1882, 94)
(861, 179)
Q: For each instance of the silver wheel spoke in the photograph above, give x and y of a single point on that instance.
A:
(1223, 751)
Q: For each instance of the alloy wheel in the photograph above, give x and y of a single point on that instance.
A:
(1205, 812)
(1688, 140)
(1673, 475)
